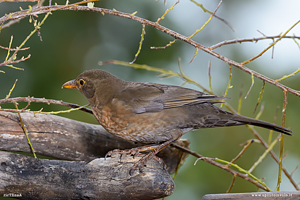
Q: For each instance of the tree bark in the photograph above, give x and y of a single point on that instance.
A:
(29, 178)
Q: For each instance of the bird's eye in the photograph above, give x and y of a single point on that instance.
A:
(81, 82)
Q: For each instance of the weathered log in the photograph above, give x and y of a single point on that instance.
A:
(29, 178)
(67, 139)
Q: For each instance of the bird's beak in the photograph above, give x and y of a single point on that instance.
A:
(69, 84)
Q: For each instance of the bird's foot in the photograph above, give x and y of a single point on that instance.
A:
(133, 152)
(137, 152)
(155, 149)
(141, 163)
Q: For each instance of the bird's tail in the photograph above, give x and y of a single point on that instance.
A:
(255, 122)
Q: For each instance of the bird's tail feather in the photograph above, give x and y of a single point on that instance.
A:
(255, 122)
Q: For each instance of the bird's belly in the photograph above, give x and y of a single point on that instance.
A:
(145, 127)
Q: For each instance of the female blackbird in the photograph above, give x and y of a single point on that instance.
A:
(153, 113)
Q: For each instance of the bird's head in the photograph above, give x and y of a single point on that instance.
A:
(96, 85)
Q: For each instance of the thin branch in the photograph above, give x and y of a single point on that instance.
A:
(195, 54)
(260, 111)
(260, 96)
(219, 18)
(167, 45)
(211, 16)
(232, 183)
(281, 141)
(252, 83)
(43, 100)
(272, 45)
(14, 49)
(12, 88)
(9, 62)
(209, 76)
(240, 100)
(260, 159)
(228, 86)
(25, 131)
(235, 41)
(290, 75)
(166, 12)
(140, 45)
(241, 153)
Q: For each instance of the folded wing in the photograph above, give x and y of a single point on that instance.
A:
(143, 97)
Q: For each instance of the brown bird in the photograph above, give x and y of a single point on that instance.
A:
(153, 113)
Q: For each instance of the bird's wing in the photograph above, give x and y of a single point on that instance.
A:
(143, 97)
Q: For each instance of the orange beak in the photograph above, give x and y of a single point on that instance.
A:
(69, 85)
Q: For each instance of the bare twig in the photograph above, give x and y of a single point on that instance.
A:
(281, 141)
(12, 88)
(272, 45)
(241, 153)
(167, 45)
(14, 49)
(209, 76)
(240, 100)
(235, 41)
(166, 12)
(43, 100)
(25, 131)
(264, 155)
(141, 42)
(228, 86)
(219, 18)
(9, 62)
(197, 31)
(252, 83)
(260, 95)
(232, 183)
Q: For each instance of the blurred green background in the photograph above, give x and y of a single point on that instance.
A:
(76, 41)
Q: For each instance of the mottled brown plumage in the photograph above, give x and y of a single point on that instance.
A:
(153, 113)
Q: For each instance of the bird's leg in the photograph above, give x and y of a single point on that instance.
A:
(150, 155)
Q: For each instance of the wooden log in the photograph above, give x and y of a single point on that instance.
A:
(29, 178)
(67, 139)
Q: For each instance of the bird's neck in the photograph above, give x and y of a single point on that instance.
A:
(109, 89)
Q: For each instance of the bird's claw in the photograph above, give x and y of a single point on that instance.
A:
(133, 152)
(141, 163)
